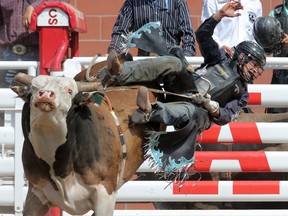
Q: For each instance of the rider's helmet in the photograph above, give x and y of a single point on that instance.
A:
(268, 33)
(249, 52)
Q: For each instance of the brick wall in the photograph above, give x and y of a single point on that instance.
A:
(101, 16)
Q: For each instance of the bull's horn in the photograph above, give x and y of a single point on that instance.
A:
(87, 74)
(89, 86)
(23, 78)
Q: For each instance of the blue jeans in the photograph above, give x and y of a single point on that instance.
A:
(148, 70)
(6, 54)
(179, 113)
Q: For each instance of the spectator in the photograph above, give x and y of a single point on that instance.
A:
(17, 42)
(173, 15)
(232, 31)
(279, 76)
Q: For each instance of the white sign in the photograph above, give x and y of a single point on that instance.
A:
(52, 17)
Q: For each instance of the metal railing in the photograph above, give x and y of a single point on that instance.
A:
(13, 187)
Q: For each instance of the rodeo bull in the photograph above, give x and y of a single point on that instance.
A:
(78, 149)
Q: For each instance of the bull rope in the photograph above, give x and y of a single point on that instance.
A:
(163, 91)
(121, 135)
(114, 89)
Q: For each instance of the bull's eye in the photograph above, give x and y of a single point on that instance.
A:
(35, 88)
(69, 91)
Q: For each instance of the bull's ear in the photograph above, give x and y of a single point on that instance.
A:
(81, 98)
(86, 97)
(21, 91)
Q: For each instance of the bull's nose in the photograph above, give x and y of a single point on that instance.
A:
(46, 94)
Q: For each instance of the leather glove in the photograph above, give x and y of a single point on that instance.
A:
(211, 106)
(198, 98)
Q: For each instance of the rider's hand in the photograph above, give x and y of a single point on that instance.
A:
(211, 106)
(230, 9)
(228, 50)
(198, 98)
(207, 103)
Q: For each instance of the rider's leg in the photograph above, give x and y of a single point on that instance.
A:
(174, 113)
(179, 113)
(148, 70)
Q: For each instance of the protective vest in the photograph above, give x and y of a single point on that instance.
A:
(281, 16)
(226, 83)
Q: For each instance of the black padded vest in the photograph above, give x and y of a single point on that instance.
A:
(226, 83)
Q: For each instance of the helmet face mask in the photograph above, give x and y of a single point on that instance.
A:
(251, 60)
(268, 33)
(253, 69)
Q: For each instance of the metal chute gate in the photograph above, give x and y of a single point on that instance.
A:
(13, 186)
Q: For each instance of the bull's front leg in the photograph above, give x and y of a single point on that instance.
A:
(104, 203)
(33, 206)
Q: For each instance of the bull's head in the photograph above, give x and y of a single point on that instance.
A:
(48, 92)
(48, 102)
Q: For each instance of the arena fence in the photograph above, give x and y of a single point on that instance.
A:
(13, 187)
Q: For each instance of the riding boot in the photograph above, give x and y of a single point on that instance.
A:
(109, 75)
(177, 52)
(142, 114)
(113, 64)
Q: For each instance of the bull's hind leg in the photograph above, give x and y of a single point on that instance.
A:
(33, 206)
(104, 203)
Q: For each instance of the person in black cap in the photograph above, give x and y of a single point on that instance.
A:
(271, 33)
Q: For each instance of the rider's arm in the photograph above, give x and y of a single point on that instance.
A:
(231, 110)
(208, 46)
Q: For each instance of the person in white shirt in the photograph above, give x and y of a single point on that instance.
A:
(232, 31)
